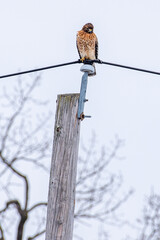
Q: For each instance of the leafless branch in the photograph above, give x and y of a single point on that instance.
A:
(97, 190)
(23, 101)
(20, 175)
(1, 233)
(37, 205)
(98, 193)
(36, 235)
(12, 202)
(19, 142)
(149, 223)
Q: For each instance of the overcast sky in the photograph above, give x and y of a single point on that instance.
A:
(124, 102)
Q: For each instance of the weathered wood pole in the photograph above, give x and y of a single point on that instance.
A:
(61, 198)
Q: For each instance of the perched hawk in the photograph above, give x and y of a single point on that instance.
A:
(87, 44)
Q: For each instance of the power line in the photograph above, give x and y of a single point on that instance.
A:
(38, 69)
(128, 67)
(78, 61)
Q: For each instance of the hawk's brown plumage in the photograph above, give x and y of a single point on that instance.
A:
(87, 43)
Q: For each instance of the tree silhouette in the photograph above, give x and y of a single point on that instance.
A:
(25, 140)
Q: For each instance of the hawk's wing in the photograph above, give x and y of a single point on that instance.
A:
(77, 46)
(96, 48)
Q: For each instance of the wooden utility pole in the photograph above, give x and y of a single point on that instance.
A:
(61, 198)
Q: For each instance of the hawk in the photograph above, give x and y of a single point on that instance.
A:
(87, 44)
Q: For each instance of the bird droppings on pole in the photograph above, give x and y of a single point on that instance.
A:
(61, 197)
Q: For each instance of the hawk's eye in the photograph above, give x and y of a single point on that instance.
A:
(90, 30)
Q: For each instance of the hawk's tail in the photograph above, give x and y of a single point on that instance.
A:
(93, 74)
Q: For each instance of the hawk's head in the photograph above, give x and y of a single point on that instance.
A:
(88, 28)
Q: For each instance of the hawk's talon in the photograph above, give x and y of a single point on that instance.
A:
(85, 61)
(82, 59)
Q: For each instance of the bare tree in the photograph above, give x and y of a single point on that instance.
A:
(150, 222)
(24, 140)
(148, 226)
(20, 141)
(98, 190)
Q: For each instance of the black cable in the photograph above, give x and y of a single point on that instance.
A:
(123, 66)
(78, 61)
(39, 69)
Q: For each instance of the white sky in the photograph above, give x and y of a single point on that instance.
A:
(124, 102)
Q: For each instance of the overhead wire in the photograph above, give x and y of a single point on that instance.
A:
(79, 61)
(37, 69)
(128, 67)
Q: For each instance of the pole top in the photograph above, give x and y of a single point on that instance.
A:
(87, 68)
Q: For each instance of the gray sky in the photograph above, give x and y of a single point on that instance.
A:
(124, 102)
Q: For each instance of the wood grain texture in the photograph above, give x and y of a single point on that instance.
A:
(61, 198)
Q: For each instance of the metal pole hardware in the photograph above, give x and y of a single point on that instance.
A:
(86, 68)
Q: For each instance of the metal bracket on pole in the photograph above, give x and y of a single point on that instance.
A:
(86, 68)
